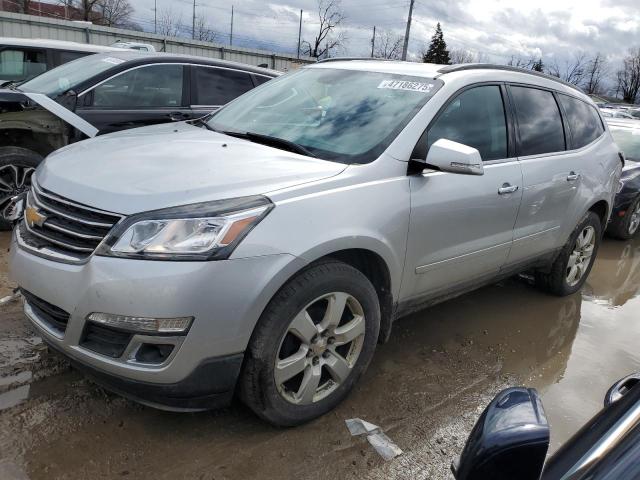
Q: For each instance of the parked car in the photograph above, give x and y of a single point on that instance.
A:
(105, 93)
(511, 439)
(266, 249)
(143, 47)
(24, 58)
(616, 113)
(625, 218)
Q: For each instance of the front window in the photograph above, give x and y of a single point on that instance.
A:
(341, 115)
(65, 77)
(628, 139)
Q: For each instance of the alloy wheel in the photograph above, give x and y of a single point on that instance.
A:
(582, 255)
(14, 180)
(320, 348)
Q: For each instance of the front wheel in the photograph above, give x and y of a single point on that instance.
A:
(572, 266)
(16, 167)
(311, 345)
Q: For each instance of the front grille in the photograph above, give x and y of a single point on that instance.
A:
(105, 340)
(68, 228)
(55, 318)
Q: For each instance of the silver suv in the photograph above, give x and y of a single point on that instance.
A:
(266, 249)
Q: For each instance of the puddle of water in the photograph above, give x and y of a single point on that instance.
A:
(440, 363)
(14, 397)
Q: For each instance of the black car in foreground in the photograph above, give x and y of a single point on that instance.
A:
(511, 438)
(625, 218)
(105, 93)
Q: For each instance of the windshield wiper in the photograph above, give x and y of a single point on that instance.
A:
(276, 142)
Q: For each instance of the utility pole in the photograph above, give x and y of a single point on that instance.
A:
(373, 40)
(155, 16)
(406, 34)
(299, 33)
(193, 28)
(231, 34)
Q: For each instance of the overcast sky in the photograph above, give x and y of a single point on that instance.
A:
(497, 29)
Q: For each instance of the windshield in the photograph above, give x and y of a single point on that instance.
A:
(65, 77)
(628, 139)
(342, 115)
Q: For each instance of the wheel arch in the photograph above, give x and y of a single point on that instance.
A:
(42, 143)
(603, 210)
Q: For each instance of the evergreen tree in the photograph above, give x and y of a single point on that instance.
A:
(538, 66)
(437, 52)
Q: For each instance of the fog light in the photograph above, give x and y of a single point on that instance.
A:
(143, 324)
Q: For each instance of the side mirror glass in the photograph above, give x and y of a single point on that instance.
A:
(509, 441)
(455, 157)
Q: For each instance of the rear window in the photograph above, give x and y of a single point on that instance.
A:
(539, 121)
(217, 86)
(584, 121)
(17, 64)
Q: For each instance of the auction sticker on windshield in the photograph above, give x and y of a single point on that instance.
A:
(406, 85)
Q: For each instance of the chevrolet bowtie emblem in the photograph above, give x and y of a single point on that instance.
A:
(34, 217)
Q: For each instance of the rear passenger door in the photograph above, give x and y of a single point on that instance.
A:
(141, 96)
(551, 174)
(213, 87)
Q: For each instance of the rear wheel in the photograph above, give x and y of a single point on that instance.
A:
(628, 226)
(571, 269)
(313, 342)
(16, 167)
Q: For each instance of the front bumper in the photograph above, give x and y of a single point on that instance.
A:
(226, 299)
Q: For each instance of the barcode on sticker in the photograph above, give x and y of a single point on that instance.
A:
(406, 85)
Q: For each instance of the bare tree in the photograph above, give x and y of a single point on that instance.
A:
(595, 73)
(520, 62)
(571, 70)
(203, 31)
(628, 78)
(459, 55)
(330, 17)
(115, 13)
(169, 23)
(388, 45)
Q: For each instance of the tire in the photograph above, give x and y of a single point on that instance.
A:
(16, 167)
(557, 280)
(308, 296)
(624, 229)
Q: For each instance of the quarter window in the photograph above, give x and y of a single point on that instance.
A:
(152, 86)
(539, 121)
(217, 86)
(475, 118)
(584, 121)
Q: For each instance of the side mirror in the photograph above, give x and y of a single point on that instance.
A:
(509, 441)
(455, 157)
(621, 388)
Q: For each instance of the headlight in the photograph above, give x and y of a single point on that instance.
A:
(191, 232)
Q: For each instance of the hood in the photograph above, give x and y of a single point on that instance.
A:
(172, 164)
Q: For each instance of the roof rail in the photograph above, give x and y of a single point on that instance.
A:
(347, 59)
(509, 68)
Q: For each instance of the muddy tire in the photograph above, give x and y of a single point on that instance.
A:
(16, 167)
(572, 266)
(311, 345)
(628, 226)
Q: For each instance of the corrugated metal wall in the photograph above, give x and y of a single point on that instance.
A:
(29, 26)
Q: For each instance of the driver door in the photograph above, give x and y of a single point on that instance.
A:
(461, 226)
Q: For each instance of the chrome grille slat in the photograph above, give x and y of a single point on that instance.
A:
(65, 228)
(55, 211)
(58, 242)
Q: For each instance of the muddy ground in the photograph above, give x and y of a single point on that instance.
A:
(425, 388)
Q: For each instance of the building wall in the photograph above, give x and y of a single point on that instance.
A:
(29, 26)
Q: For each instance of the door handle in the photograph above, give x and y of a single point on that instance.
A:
(573, 176)
(507, 189)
